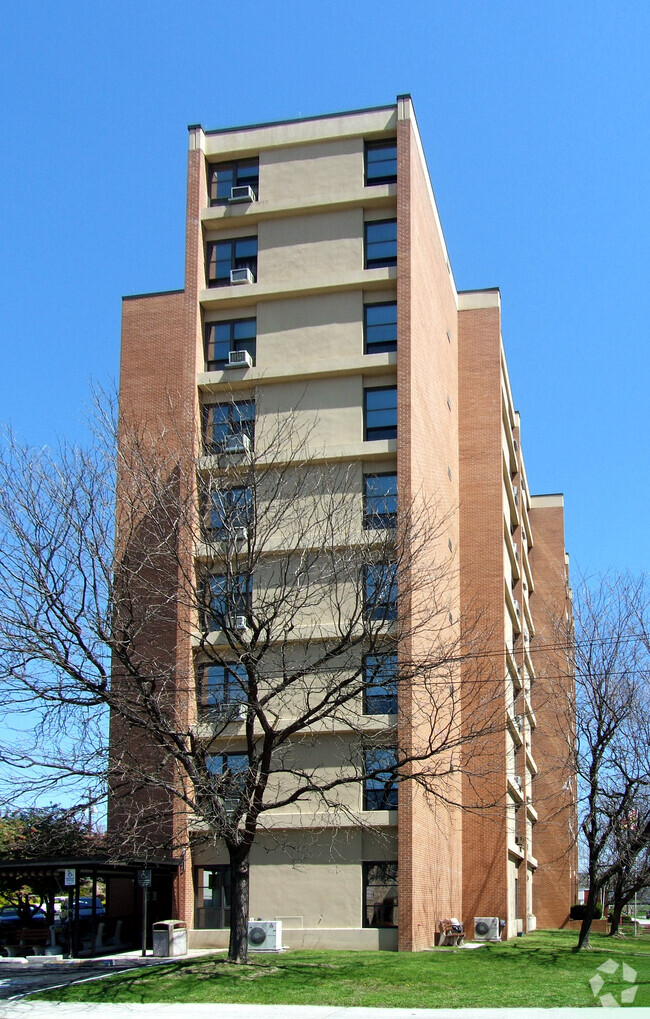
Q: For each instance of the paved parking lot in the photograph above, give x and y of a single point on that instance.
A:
(20, 976)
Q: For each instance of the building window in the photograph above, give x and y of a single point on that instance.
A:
(381, 162)
(222, 337)
(230, 510)
(223, 256)
(230, 772)
(380, 413)
(222, 177)
(380, 500)
(380, 591)
(226, 598)
(381, 243)
(380, 781)
(233, 768)
(380, 327)
(212, 897)
(223, 422)
(224, 684)
(380, 894)
(380, 684)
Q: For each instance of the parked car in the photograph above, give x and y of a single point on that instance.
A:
(9, 917)
(85, 908)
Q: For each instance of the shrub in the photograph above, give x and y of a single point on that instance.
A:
(577, 912)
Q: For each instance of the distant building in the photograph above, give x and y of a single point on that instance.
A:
(316, 262)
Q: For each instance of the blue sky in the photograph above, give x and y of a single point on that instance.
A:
(534, 120)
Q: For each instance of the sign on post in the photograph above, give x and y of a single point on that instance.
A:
(144, 879)
(70, 877)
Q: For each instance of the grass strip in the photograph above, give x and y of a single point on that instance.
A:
(540, 970)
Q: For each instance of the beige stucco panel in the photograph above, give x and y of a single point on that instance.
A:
(323, 328)
(330, 411)
(328, 169)
(307, 246)
(314, 878)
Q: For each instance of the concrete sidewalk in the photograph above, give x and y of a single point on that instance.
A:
(56, 1010)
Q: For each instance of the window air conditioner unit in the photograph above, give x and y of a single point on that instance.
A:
(231, 803)
(519, 721)
(517, 780)
(265, 935)
(230, 711)
(486, 928)
(240, 533)
(241, 276)
(239, 443)
(517, 609)
(241, 193)
(239, 359)
(519, 840)
(516, 548)
(239, 623)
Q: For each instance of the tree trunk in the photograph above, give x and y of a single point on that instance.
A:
(585, 929)
(615, 916)
(239, 887)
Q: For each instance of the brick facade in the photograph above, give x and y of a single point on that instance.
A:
(458, 454)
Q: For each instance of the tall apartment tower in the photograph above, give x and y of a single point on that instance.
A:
(317, 283)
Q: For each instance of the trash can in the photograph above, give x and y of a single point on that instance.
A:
(169, 938)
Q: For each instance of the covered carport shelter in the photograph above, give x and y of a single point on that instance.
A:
(128, 885)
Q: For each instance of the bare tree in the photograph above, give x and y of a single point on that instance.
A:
(612, 669)
(633, 873)
(249, 601)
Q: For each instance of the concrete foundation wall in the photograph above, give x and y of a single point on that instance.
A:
(332, 938)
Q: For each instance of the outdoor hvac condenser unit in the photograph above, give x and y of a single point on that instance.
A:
(486, 928)
(265, 935)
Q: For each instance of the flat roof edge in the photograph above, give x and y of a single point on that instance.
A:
(153, 293)
(489, 297)
(292, 120)
(546, 501)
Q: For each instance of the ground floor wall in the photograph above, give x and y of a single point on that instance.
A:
(338, 888)
(329, 887)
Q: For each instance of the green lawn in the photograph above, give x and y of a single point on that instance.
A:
(539, 970)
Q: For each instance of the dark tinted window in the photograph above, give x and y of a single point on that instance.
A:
(380, 894)
(224, 684)
(381, 243)
(380, 785)
(380, 500)
(229, 510)
(380, 676)
(222, 256)
(380, 327)
(381, 162)
(380, 591)
(222, 177)
(225, 598)
(224, 420)
(222, 337)
(381, 413)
